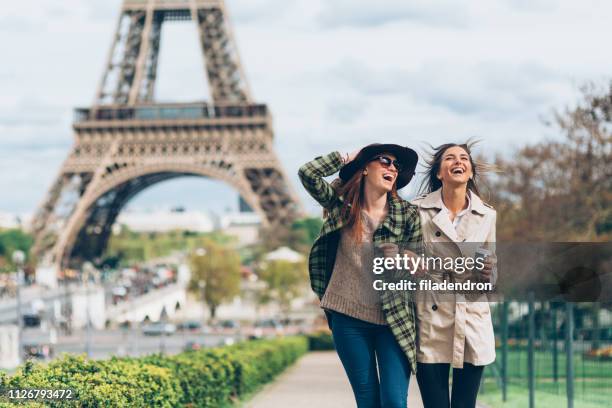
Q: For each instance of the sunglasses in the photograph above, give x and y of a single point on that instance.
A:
(386, 162)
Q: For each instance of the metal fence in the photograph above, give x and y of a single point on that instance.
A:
(550, 354)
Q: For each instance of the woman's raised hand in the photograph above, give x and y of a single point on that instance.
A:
(348, 157)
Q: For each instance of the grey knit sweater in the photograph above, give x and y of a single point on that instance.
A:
(350, 290)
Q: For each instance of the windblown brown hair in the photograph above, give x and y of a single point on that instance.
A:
(352, 193)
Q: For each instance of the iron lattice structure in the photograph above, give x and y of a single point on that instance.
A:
(126, 142)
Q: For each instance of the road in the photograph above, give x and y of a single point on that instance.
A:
(8, 310)
(106, 343)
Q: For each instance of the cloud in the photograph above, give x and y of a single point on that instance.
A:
(253, 11)
(33, 118)
(346, 110)
(31, 111)
(103, 10)
(336, 74)
(364, 13)
(28, 176)
(17, 24)
(539, 6)
(32, 124)
(486, 89)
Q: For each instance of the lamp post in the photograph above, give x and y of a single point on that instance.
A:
(201, 252)
(19, 259)
(202, 287)
(88, 269)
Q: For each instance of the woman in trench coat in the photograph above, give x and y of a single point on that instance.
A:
(454, 330)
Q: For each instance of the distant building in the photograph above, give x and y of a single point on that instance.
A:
(14, 221)
(284, 254)
(164, 220)
(244, 226)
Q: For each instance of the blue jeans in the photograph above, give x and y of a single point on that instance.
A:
(360, 345)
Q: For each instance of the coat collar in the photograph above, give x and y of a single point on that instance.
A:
(442, 221)
(434, 200)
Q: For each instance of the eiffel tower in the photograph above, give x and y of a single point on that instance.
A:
(127, 142)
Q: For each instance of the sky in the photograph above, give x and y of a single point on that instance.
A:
(336, 74)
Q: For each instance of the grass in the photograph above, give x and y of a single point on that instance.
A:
(517, 365)
(518, 397)
(592, 381)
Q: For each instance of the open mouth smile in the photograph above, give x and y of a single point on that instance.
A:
(388, 177)
(457, 170)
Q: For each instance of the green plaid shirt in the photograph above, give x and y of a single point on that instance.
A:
(402, 225)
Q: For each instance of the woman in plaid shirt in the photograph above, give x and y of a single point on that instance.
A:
(374, 332)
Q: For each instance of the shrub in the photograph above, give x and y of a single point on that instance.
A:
(258, 362)
(321, 340)
(108, 383)
(205, 378)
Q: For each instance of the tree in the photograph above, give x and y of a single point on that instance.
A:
(10, 241)
(284, 282)
(561, 190)
(215, 275)
(299, 236)
(129, 246)
(308, 229)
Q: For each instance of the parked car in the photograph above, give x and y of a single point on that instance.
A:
(158, 329)
(190, 325)
(226, 327)
(265, 328)
(39, 351)
(38, 343)
(229, 324)
(31, 320)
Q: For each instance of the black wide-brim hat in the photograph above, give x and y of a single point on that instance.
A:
(406, 156)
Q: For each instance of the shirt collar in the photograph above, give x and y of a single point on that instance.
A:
(434, 200)
(463, 211)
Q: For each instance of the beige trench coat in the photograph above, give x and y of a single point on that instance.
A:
(451, 329)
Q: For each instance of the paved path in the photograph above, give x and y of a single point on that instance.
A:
(316, 380)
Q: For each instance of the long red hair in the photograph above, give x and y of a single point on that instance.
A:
(353, 193)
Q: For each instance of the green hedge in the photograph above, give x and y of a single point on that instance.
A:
(321, 340)
(205, 378)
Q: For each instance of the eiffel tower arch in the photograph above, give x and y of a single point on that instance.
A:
(127, 142)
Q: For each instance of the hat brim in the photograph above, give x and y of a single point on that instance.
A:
(406, 156)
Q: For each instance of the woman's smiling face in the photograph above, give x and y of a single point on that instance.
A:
(455, 167)
(381, 177)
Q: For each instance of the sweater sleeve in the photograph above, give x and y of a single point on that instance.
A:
(312, 177)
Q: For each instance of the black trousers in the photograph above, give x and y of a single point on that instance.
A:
(433, 383)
